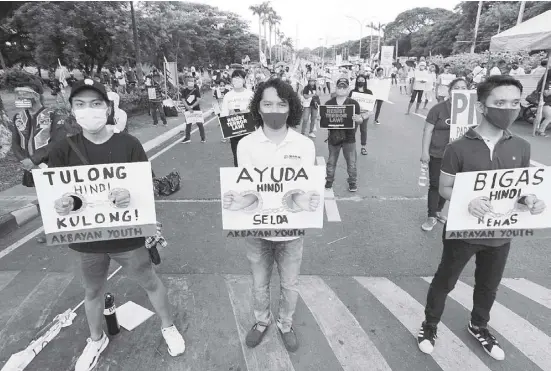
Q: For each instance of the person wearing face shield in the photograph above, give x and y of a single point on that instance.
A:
(235, 101)
(97, 145)
(276, 108)
(489, 146)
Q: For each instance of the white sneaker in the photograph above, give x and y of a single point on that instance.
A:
(174, 341)
(312, 135)
(89, 357)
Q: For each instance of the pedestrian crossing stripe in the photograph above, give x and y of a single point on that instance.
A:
(349, 345)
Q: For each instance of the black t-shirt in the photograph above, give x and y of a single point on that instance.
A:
(190, 96)
(439, 116)
(120, 148)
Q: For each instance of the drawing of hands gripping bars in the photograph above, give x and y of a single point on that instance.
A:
(294, 201)
(72, 202)
(482, 206)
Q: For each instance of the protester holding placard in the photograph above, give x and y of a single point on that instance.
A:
(436, 136)
(362, 89)
(155, 95)
(310, 104)
(443, 83)
(379, 75)
(418, 85)
(236, 101)
(490, 146)
(98, 145)
(344, 139)
(191, 95)
(276, 109)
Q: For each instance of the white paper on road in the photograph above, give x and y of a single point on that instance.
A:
(503, 188)
(130, 315)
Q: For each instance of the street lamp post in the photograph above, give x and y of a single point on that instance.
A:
(361, 23)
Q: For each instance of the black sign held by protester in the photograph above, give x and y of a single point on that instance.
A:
(337, 117)
(237, 125)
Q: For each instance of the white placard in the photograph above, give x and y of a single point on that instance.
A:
(98, 219)
(380, 88)
(130, 315)
(503, 188)
(366, 101)
(194, 117)
(464, 114)
(151, 93)
(275, 189)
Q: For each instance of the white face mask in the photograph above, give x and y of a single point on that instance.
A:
(91, 120)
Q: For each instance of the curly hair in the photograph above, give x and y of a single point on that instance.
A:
(285, 92)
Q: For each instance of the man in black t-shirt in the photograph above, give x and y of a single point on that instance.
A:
(191, 97)
(98, 145)
(343, 138)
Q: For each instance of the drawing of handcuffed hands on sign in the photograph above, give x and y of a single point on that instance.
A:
(118, 197)
(294, 201)
(481, 207)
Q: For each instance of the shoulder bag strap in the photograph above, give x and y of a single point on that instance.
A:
(77, 151)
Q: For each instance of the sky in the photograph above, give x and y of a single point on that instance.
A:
(315, 19)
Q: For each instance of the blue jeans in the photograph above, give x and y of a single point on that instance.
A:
(288, 255)
(309, 115)
(350, 155)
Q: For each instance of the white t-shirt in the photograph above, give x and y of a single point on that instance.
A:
(236, 101)
(518, 71)
(495, 71)
(478, 74)
(419, 76)
(295, 150)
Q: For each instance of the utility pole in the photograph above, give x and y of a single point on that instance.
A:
(521, 12)
(476, 26)
(370, 43)
(136, 45)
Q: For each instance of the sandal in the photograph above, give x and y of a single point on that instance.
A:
(364, 151)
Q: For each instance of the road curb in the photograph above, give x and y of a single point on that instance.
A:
(17, 218)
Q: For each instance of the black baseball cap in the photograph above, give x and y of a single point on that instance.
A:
(344, 81)
(88, 84)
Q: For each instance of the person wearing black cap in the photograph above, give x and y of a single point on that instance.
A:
(34, 131)
(343, 138)
(235, 101)
(98, 145)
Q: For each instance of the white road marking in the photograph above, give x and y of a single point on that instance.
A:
(331, 208)
(270, 354)
(529, 289)
(531, 341)
(351, 345)
(450, 352)
(532, 162)
(20, 242)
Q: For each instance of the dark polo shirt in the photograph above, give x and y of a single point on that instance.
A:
(470, 153)
(439, 116)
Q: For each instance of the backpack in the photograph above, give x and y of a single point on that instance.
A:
(167, 185)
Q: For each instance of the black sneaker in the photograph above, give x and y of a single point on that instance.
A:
(289, 340)
(186, 140)
(426, 338)
(352, 187)
(328, 185)
(488, 342)
(255, 336)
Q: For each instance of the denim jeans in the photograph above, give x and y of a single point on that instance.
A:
(288, 255)
(350, 155)
(490, 264)
(435, 202)
(378, 105)
(201, 130)
(309, 114)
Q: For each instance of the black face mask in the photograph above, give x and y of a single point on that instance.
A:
(501, 118)
(274, 120)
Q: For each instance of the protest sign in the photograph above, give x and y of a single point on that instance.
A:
(236, 125)
(194, 117)
(387, 55)
(274, 213)
(366, 101)
(337, 117)
(98, 218)
(151, 93)
(464, 114)
(380, 88)
(503, 188)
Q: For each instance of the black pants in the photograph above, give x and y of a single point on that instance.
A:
(233, 143)
(435, 202)
(378, 105)
(419, 94)
(490, 263)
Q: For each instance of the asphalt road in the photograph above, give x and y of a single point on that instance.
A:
(362, 291)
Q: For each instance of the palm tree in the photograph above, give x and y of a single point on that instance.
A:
(272, 19)
(288, 43)
(261, 10)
